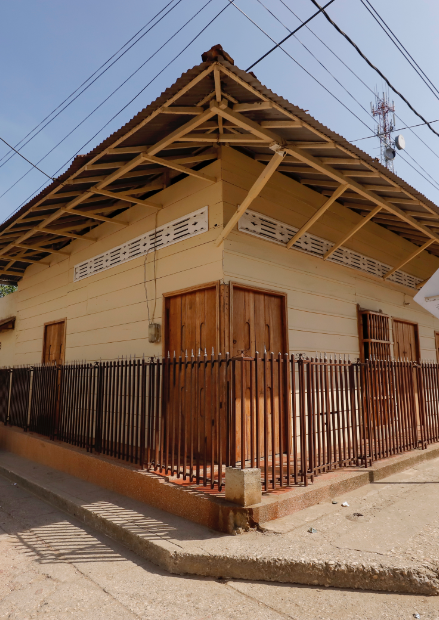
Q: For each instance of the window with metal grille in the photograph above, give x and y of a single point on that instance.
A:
(273, 230)
(184, 227)
(374, 335)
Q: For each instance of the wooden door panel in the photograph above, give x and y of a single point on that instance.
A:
(436, 339)
(191, 327)
(405, 340)
(191, 322)
(53, 345)
(258, 325)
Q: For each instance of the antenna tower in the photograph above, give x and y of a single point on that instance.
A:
(384, 113)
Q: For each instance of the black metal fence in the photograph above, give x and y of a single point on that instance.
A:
(190, 417)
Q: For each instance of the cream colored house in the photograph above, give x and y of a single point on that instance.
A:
(230, 218)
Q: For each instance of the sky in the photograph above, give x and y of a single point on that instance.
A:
(49, 48)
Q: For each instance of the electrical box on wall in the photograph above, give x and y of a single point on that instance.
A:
(154, 332)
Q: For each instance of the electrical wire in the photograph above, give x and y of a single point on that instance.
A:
(298, 64)
(359, 78)
(85, 82)
(432, 182)
(397, 43)
(107, 98)
(288, 36)
(380, 73)
(399, 129)
(317, 60)
(26, 159)
(135, 97)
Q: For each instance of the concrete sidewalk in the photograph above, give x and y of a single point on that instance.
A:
(393, 546)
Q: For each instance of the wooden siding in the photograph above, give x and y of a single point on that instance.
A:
(107, 313)
(322, 297)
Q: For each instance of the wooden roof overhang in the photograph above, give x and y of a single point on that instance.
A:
(214, 103)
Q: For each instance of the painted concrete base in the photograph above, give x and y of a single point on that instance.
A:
(191, 502)
(243, 486)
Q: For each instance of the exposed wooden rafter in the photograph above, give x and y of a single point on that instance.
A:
(253, 193)
(325, 206)
(409, 258)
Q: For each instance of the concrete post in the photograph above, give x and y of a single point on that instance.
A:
(243, 486)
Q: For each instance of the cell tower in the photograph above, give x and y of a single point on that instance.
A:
(384, 112)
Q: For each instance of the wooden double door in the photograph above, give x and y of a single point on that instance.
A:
(243, 322)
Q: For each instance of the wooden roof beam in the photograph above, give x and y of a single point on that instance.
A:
(282, 124)
(141, 149)
(315, 145)
(363, 191)
(253, 107)
(341, 160)
(12, 270)
(253, 193)
(409, 258)
(338, 192)
(40, 249)
(316, 131)
(128, 198)
(174, 166)
(100, 218)
(115, 144)
(23, 259)
(188, 110)
(64, 233)
(336, 175)
(105, 166)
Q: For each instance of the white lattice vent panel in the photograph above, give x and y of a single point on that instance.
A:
(185, 227)
(268, 228)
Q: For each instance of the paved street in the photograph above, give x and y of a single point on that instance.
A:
(53, 567)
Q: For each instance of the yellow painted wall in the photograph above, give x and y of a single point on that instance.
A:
(107, 313)
(8, 308)
(322, 296)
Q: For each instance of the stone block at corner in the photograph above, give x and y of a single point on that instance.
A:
(243, 486)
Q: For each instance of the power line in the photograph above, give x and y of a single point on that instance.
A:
(397, 43)
(135, 97)
(288, 36)
(433, 182)
(319, 61)
(87, 80)
(26, 159)
(299, 65)
(374, 67)
(107, 98)
(359, 78)
(399, 129)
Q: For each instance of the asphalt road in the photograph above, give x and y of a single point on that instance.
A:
(51, 566)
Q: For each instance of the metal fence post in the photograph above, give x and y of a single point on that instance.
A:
(31, 380)
(143, 415)
(11, 370)
(99, 407)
